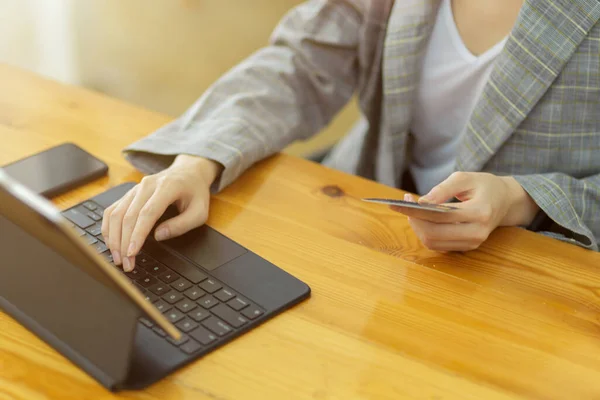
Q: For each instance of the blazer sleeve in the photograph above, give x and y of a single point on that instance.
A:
(572, 204)
(286, 91)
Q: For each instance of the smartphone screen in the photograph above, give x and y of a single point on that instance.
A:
(56, 170)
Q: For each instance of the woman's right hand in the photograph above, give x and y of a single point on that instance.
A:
(128, 222)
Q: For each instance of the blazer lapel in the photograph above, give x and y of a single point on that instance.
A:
(408, 31)
(545, 36)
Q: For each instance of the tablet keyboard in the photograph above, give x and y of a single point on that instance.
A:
(202, 308)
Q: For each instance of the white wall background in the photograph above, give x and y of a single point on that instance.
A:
(160, 54)
(36, 35)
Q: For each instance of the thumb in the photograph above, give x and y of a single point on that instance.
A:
(193, 216)
(456, 184)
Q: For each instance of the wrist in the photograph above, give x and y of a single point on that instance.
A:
(209, 170)
(522, 209)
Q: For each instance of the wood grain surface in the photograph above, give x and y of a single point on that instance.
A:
(388, 319)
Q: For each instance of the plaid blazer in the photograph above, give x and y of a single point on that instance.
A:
(537, 119)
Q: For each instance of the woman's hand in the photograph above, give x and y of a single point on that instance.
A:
(186, 183)
(487, 201)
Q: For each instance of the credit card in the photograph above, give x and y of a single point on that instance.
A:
(410, 204)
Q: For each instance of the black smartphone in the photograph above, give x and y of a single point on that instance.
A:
(57, 170)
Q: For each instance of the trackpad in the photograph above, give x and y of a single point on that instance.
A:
(206, 247)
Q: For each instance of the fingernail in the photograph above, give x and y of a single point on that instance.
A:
(127, 264)
(162, 234)
(131, 250)
(116, 257)
(426, 199)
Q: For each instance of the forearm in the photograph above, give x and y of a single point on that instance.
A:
(284, 92)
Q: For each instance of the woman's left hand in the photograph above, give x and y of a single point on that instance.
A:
(486, 202)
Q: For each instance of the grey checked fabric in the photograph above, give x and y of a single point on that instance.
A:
(538, 118)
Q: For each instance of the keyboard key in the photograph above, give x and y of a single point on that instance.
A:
(186, 305)
(174, 316)
(108, 257)
(90, 206)
(160, 289)
(159, 331)
(180, 341)
(95, 230)
(151, 297)
(233, 318)
(191, 347)
(168, 277)
(101, 238)
(210, 285)
(238, 304)
(194, 293)
(217, 326)
(148, 281)
(156, 269)
(252, 312)
(186, 325)
(162, 306)
(79, 231)
(172, 297)
(89, 239)
(199, 314)
(203, 336)
(78, 218)
(181, 284)
(144, 260)
(94, 216)
(99, 247)
(146, 322)
(138, 285)
(208, 302)
(225, 295)
(187, 270)
(136, 274)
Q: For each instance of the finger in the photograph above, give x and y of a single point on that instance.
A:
(456, 184)
(462, 214)
(432, 216)
(115, 224)
(470, 211)
(433, 232)
(194, 216)
(105, 228)
(129, 222)
(453, 246)
(105, 221)
(152, 210)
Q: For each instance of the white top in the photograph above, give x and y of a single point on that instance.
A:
(452, 81)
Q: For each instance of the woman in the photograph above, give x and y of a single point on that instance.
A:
(503, 93)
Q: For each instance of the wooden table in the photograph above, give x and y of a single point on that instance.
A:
(388, 319)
